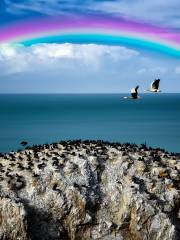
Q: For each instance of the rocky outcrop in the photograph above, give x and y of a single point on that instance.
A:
(90, 190)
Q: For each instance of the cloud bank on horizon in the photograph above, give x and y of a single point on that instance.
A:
(90, 67)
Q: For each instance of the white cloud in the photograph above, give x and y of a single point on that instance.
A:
(142, 70)
(84, 52)
(82, 68)
(158, 70)
(50, 7)
(157, 12)
(12, 59)
(45, 51)
(6, 51)
(177, 70)
(17, 59)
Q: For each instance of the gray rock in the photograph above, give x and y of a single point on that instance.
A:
(90, 190)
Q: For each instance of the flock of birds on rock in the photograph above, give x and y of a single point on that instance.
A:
(154, 88)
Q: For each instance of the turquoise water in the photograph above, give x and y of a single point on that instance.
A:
(154, 119)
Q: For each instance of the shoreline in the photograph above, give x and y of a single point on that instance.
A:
(90, 190)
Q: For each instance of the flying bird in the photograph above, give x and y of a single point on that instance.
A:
(134, 93)
(154, 86)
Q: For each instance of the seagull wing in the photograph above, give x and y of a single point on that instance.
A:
(155, 84)
(133, 93)
(136, 88)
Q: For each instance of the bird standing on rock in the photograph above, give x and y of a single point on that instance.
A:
(24, 143)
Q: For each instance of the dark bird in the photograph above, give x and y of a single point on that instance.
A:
(24, 143)
(154, 86)
(134, 92)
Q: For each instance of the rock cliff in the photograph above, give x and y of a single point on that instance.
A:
(90, 190)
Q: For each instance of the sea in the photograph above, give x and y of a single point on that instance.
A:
(154, 119)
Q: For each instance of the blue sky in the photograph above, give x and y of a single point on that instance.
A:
(55, 68)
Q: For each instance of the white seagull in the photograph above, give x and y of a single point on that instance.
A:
(154, 86)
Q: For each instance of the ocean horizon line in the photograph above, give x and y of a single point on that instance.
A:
(91, 93)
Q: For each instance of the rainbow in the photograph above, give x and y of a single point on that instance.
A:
(98, 30)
